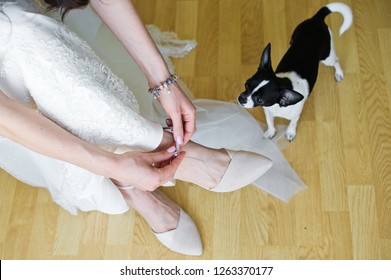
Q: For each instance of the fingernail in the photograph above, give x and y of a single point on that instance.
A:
(179, 140)
(171, 149)
(169, 122)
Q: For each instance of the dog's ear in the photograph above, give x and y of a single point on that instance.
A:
(266, 61)
(289, 97)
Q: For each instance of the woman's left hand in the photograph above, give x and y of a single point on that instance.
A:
(181, 111)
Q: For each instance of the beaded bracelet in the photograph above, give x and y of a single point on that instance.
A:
(155, 92)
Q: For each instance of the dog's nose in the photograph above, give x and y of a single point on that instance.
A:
(242, 99)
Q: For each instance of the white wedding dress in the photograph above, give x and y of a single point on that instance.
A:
(44, 64)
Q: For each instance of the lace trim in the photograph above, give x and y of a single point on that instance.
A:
(75, 182)
(170, 45)
(69, 84)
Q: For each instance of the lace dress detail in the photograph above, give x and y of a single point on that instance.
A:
(72, 86)
(72, 188)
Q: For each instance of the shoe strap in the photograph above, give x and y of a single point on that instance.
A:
(125, 187)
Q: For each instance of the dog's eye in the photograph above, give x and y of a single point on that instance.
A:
(259, 100)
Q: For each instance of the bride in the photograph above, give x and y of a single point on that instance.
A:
(69, 124)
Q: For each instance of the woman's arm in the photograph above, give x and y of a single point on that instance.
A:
(29, 128)
(123, 20)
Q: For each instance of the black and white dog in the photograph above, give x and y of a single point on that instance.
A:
(282, 93)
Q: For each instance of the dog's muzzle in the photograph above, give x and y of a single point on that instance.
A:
(245, 100)
(242, 99)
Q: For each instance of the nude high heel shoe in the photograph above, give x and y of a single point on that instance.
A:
(244, 168)
(184, 239)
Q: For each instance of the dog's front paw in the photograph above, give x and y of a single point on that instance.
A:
(270, 133)
(290, 136)
(338, 76)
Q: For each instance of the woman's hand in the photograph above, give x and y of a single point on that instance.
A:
(181, 111)
(145, 170)
(122, 19)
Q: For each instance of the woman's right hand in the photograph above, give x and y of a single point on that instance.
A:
(144, 170)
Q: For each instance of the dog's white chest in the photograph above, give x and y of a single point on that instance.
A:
(288, 113)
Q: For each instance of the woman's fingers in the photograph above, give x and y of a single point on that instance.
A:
(177, 129)
(158, 157)
(189, 123)
(168, 172)
(163, 168)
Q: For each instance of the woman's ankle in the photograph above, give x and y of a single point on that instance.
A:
(167, 141)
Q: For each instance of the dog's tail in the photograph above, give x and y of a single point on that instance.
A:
(341, 8)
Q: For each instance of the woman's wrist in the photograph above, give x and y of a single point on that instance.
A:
(98, 160)
(155, 91)
(111, 164)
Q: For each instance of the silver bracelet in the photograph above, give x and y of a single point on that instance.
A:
(155, 92)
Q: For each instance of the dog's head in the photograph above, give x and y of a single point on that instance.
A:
(265, 88)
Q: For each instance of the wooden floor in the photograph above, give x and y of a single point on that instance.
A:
(342, 150)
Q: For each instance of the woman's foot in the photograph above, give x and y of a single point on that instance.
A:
(169, 223)
(155, 207)
(203, 166)
(219, 169)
